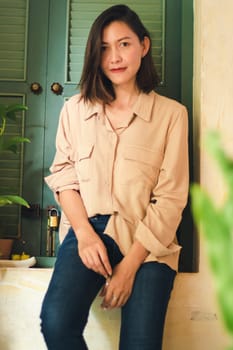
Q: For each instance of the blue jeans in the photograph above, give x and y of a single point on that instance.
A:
(73, 288)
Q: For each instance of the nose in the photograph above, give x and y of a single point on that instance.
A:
(115, 55)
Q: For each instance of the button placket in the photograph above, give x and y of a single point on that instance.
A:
(114, 138)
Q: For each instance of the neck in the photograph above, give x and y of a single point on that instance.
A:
(125, 98)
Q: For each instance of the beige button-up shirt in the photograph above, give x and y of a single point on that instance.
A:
(139, 174)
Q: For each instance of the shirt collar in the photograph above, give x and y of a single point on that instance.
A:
(142, 108)
(93, 110)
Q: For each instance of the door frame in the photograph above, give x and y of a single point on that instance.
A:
(189, 260)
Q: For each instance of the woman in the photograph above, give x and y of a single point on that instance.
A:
(120, 174)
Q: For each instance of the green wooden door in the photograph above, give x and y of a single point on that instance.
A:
(57, 32)
(23, 60)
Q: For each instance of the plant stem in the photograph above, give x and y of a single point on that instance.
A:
(2, 129)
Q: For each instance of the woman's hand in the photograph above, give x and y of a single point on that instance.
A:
(118, 287)
(91, 249)
(92, 252)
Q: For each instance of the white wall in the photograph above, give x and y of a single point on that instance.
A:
(213, 82)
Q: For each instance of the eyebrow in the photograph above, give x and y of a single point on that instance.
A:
(118, 40)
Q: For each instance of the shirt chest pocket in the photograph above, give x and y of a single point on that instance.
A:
(84, 163)
(139, 164)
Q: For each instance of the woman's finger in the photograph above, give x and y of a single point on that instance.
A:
(104, 288)
(105, 262)
(92, 260)
(114, 302)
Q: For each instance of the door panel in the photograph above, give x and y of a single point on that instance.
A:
(13, 34)
(13, 48)
(33, 183)
(56, 72)
(11, 174)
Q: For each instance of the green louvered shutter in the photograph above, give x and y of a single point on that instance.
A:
(11, 172)
(13, 49)
(13, 33)
(82, 14)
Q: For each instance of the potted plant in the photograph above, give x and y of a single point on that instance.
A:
(9, 144)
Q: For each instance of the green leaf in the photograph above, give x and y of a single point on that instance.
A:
(16, 108)
(12, 199)
(2, 110)
(216, 225)
(11, 110)
(10, 144)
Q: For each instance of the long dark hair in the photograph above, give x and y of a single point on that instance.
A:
(94, 85)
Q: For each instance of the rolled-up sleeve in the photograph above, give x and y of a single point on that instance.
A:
(63, 174)
(157, 230)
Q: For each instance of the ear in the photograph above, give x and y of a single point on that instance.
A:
(145, 45)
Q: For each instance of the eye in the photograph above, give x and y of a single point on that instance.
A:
(124, 44)
(104, 46)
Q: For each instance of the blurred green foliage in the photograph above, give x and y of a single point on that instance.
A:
(9, 113)
(215, 222)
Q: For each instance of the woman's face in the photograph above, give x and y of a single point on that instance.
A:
(122, 53)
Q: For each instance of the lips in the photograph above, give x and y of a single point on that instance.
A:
(118, 70)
